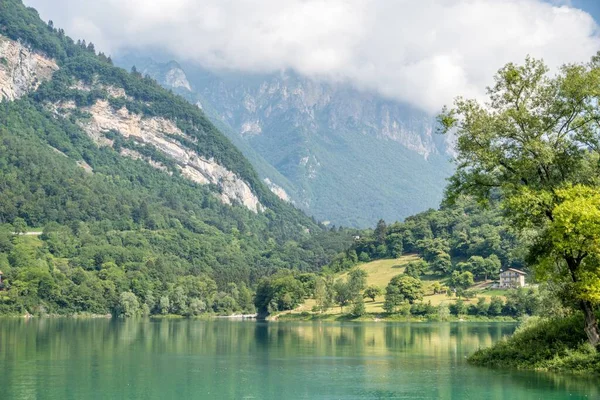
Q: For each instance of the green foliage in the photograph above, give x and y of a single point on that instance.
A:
(461, 280)
(536, 143)
(495, 307)
(129, 305)
(128, 227)
(364, 257)
(458, 308)
(575, 229)
(443, 312)
(357, 281)
(358, 307)
(323, 294)
(422, 309)
(550, 344)
(401, 289)
(482, 307)
(416, 268)
(342, 293)
(278, 293)
(521, 302)
(445, 238)
(372, 292)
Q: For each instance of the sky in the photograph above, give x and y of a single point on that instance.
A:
(423, 52)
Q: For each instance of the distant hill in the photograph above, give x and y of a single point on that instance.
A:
(342, 155)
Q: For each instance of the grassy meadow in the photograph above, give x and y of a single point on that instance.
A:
(380, 272)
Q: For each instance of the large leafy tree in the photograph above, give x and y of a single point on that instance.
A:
(537, 136)
(401, 289)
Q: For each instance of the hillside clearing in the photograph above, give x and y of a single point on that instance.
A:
(380, 272)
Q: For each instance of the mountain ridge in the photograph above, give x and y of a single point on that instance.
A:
(316, 135)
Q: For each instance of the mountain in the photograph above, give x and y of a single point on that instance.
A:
(343, 155)
(141, 204)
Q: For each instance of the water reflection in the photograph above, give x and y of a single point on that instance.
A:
(65, 358)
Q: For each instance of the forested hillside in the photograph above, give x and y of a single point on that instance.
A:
(145, 207)
(448, 239)
(449, 251)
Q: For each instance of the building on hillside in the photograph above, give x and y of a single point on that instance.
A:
(512, 278)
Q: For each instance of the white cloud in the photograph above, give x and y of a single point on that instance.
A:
(424, 52)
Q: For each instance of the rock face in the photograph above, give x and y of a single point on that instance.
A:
(278, 190)
(175, 78)
(321, 108)
(21, 70)
(160, 133)
(351, 157)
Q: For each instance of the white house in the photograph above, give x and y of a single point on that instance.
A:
(512, 278)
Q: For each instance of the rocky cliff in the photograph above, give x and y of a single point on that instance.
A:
(21, 69)
(161, 133)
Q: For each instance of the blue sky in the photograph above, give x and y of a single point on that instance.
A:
(591, 6)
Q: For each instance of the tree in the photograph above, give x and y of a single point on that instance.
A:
(179, 301)
(521, 302)
(443, 312)
(357, 280)
(482, 307)
(458, 307)
(19, 226)
(433, 248)
(491, 267)
(364, 257)
(441, 263)
(164, 305)
(380, 232)
(395, 245)
(197, 307)
(496, 305)
(537, 136)
(402, 288)
(461, 280)
(437, 288)
(416, 268)
(129, 304)
(322, 295)
(245, 300)
(342, 293)
(358, 308)
(278, 293)
(372, 292)
(478, 265)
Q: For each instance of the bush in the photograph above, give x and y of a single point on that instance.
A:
(358, 309)
(423, 309)
(458, 308)
(558, 344)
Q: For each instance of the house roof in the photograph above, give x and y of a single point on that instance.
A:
(515, 270)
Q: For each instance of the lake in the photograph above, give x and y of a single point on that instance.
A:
(222, 359)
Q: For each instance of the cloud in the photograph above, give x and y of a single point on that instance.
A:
(423, 52)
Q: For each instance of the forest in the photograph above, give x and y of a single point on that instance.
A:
(123, 237)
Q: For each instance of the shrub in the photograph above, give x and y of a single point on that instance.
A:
(557, 344)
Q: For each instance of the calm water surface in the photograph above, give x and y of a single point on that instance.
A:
(104, 359)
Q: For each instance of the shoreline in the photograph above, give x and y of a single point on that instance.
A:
(384, 318)
(273, 318)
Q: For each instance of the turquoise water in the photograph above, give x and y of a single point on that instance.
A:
(186, 359)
